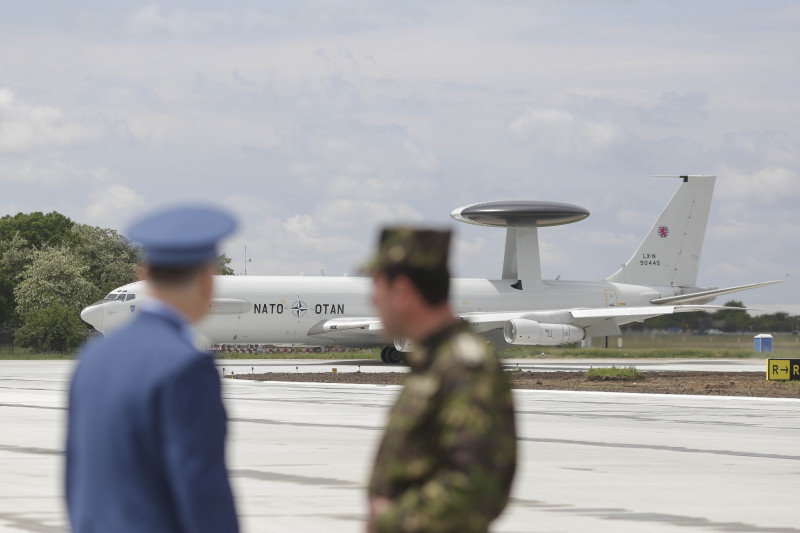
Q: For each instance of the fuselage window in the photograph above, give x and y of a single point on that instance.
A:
(130, 297)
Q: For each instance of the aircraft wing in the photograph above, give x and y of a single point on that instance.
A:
(596, 322)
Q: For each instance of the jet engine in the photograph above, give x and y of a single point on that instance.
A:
(524, 332)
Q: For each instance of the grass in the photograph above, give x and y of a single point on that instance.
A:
(645, 346)
(640, 353)
(667, 346)
(26, 354)
(614, 373)
(355, 354)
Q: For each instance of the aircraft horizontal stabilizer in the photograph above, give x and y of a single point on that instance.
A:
(624, 315)
(711, 294)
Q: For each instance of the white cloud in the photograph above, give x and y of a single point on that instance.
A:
(25, 127)
(607, 238)
(179, 21)
(770, 185)
(750, 268)
(40, 170)
(758, 233)
(350, 214)
(301, 232)
(562, 131)
(633, 218)
(463, 248)
(365, 188)
(301, 226)
(725, 269)
(551, 255)
(421, 158)
(111, 204)
(9, 209)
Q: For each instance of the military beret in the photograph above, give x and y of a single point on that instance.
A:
(406, 248)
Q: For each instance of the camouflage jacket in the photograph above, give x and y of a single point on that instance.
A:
(448, 455)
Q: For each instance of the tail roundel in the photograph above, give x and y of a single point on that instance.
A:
(669, 255)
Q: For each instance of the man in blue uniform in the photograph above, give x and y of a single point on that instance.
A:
(146, 432)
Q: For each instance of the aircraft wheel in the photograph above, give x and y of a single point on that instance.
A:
(383, 354)
(394, 356)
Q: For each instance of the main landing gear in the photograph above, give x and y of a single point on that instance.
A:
(391, 355)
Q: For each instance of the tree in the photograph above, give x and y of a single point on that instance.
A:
(54, 276)
(50, 295)
(19, 234)
(55, 327)
(222, 266)
(38, 229)
(735, 319)
(111, 259)
(15, 254)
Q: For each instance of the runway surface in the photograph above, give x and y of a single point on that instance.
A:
(300, 454)
(244, 366)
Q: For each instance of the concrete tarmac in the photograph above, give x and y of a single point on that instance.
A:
(244, 366)
(300, 455)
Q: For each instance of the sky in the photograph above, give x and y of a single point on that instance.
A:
(318, 122)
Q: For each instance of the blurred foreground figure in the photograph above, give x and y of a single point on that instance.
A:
(448, 455)
(146, 434)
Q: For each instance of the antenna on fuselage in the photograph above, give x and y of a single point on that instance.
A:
(521, 220)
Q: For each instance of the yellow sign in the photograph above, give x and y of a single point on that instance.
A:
(783, 369)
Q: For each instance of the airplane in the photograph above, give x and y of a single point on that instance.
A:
(519, 308)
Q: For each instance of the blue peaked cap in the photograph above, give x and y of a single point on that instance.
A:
(182, 236)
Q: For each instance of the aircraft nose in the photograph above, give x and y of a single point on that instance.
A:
(93, 315)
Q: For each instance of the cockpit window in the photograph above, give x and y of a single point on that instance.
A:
(111, 296)
(130, 297)
(121, 297)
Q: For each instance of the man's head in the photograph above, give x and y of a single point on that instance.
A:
(180, 253)
(411, 277)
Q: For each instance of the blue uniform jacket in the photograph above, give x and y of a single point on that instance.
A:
(146, 435)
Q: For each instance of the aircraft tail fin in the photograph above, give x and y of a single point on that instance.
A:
(669, 255)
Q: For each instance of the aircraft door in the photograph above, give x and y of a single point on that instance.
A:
(611, 298)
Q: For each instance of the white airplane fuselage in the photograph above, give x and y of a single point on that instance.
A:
(282, 310)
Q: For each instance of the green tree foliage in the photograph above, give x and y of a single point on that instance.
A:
(727, 320)
(19, 235)
(733, 320)
(38, 230)
(110, 258)
(14, 255)
(52, 290)
(223, 267)
(106, 259)
(55, 276)
(52, 328)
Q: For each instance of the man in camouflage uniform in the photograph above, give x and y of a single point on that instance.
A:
(448, 455)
